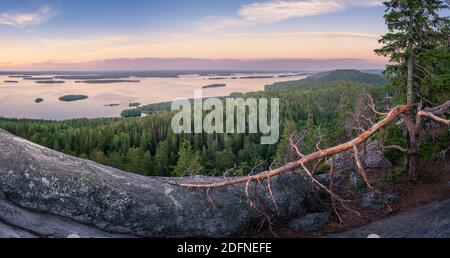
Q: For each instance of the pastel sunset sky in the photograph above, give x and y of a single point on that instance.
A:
(62, 31)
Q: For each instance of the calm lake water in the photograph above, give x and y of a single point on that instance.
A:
(17, 100)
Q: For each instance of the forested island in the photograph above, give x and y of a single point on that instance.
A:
(70, 98)
(49, 82)
(257, 77)
(107, 81)
(10, 81)
(216, 85)
(38, 78)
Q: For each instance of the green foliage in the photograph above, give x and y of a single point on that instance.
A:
(162, 159)
(189, 161)
(394, 136)
(417, 29)
(432, 145)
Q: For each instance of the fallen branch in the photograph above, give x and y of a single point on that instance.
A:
(396, 147)
(361, 170)
(373, 107)
(305, 159)
(434, 117)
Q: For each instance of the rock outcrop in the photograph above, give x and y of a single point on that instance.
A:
(430, 221)
(372, 156)
(44, 193)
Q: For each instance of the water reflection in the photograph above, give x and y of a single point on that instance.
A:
(17, 100)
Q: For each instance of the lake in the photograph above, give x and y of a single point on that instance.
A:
(17, 100)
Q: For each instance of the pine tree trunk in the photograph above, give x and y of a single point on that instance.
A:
(409, 94)
(413, 136)
(412, 157)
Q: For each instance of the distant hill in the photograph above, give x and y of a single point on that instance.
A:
(331, 76)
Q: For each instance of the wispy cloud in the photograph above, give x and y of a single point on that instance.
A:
(278, 10)
(24, 19)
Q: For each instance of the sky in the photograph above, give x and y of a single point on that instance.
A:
(45, 34)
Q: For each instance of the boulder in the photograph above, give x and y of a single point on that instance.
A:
(45, 193)
(374, 156)
(430, 221)
(372, 201)
(324, 179)
(371, 157)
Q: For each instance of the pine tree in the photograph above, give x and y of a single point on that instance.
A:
(415, 28)
(284, 151)
(161, 161)
(189, 161)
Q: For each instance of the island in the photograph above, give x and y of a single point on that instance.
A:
(292, 75)
(134, 104)
(9, 81)
(135, 112)
(217, 78)
(19, 76)
(106, 81)
(38, 78)
(49, 82)
(217, 85)
(257, 77)
(39, 100)
(216, 74)
(70, 98)
(91, 77)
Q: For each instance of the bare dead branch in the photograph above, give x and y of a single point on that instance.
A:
(434, 117)
(295, 148)
(361, 170)
(368, 120)
(228, 171)
(269, 187)
(315, 181)
(393, 114)
(247, 194)
(333, 201)
(359, 129)
(395, 147)
(316, 166)
(373, 107)
(363, 174)
(439, 110)
(210, 198)
(318, 143)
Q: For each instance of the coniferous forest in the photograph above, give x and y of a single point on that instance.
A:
(149, 147)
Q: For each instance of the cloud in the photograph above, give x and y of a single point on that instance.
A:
(24, 19)
(279, 10)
